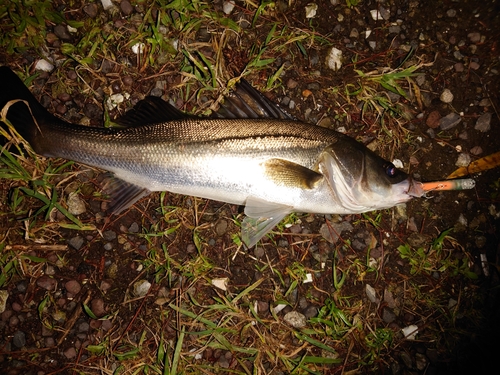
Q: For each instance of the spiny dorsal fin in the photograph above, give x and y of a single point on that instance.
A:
(246, 102)
(151, 110)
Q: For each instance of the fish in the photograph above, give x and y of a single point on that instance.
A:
(250, 153)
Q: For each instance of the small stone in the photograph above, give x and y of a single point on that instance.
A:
(291, 83)
(97, 307)
(446, 96)
(389, 299)
(459, 67)
(90, 10)
(474, 65)
(70, 353)
(388, 315)
(141, 288)
(371, 293)
(476, 150)
(62, 32)
(483, 123)
(451, 13)
(221, 227)
(126, 7)
(134, 228)
(73, 287)
(109, 235)
(410, 332)
(334, 59)
(450, 121)
(485, 102)
(76, 242)
(354, 33)
(262, 307)
(463, 160)
(433, 119)
(46, 282)
(295, 319)
(311, 10)
(76, 206)
(228, 6)
(474, 37)
(19, 339)
(107, 4)
(310, 312)
(259, 252)
(44, 65)
(332, 231)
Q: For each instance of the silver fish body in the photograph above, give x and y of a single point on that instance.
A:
(272, 166)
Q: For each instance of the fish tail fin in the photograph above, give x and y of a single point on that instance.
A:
(18, 105)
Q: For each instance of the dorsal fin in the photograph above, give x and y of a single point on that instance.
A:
(150, 110)
(246, 102)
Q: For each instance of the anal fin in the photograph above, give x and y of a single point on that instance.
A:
(262, 216)
(123, 194)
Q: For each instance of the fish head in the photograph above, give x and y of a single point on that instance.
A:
(363, 181)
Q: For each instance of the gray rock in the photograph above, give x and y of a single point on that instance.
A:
(310, 312)
(109, 235)
(258, 252)
(70, 353)
(134, 228)
(62, 32)
(46, 282)
(19, 339)
(76, 242)
(295, 319)
(483, 123)
(331, 232)
(388, 315)
(450, 121)
(371, 293)
(221, 227)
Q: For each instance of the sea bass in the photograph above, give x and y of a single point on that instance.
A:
(252, 154)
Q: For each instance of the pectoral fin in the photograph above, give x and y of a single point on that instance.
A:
(262, 216)
(287, 173)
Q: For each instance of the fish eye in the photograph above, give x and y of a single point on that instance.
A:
(390, 170)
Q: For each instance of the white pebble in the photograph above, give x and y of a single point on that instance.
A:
(311, 10)
(376, 15)
(410, 332)
(220, 283)
(44, 66)
(398, 163)
(228, 6)
(138, 48)
(107, 4)
(446, 96)
(334, 59)
(463, 160)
